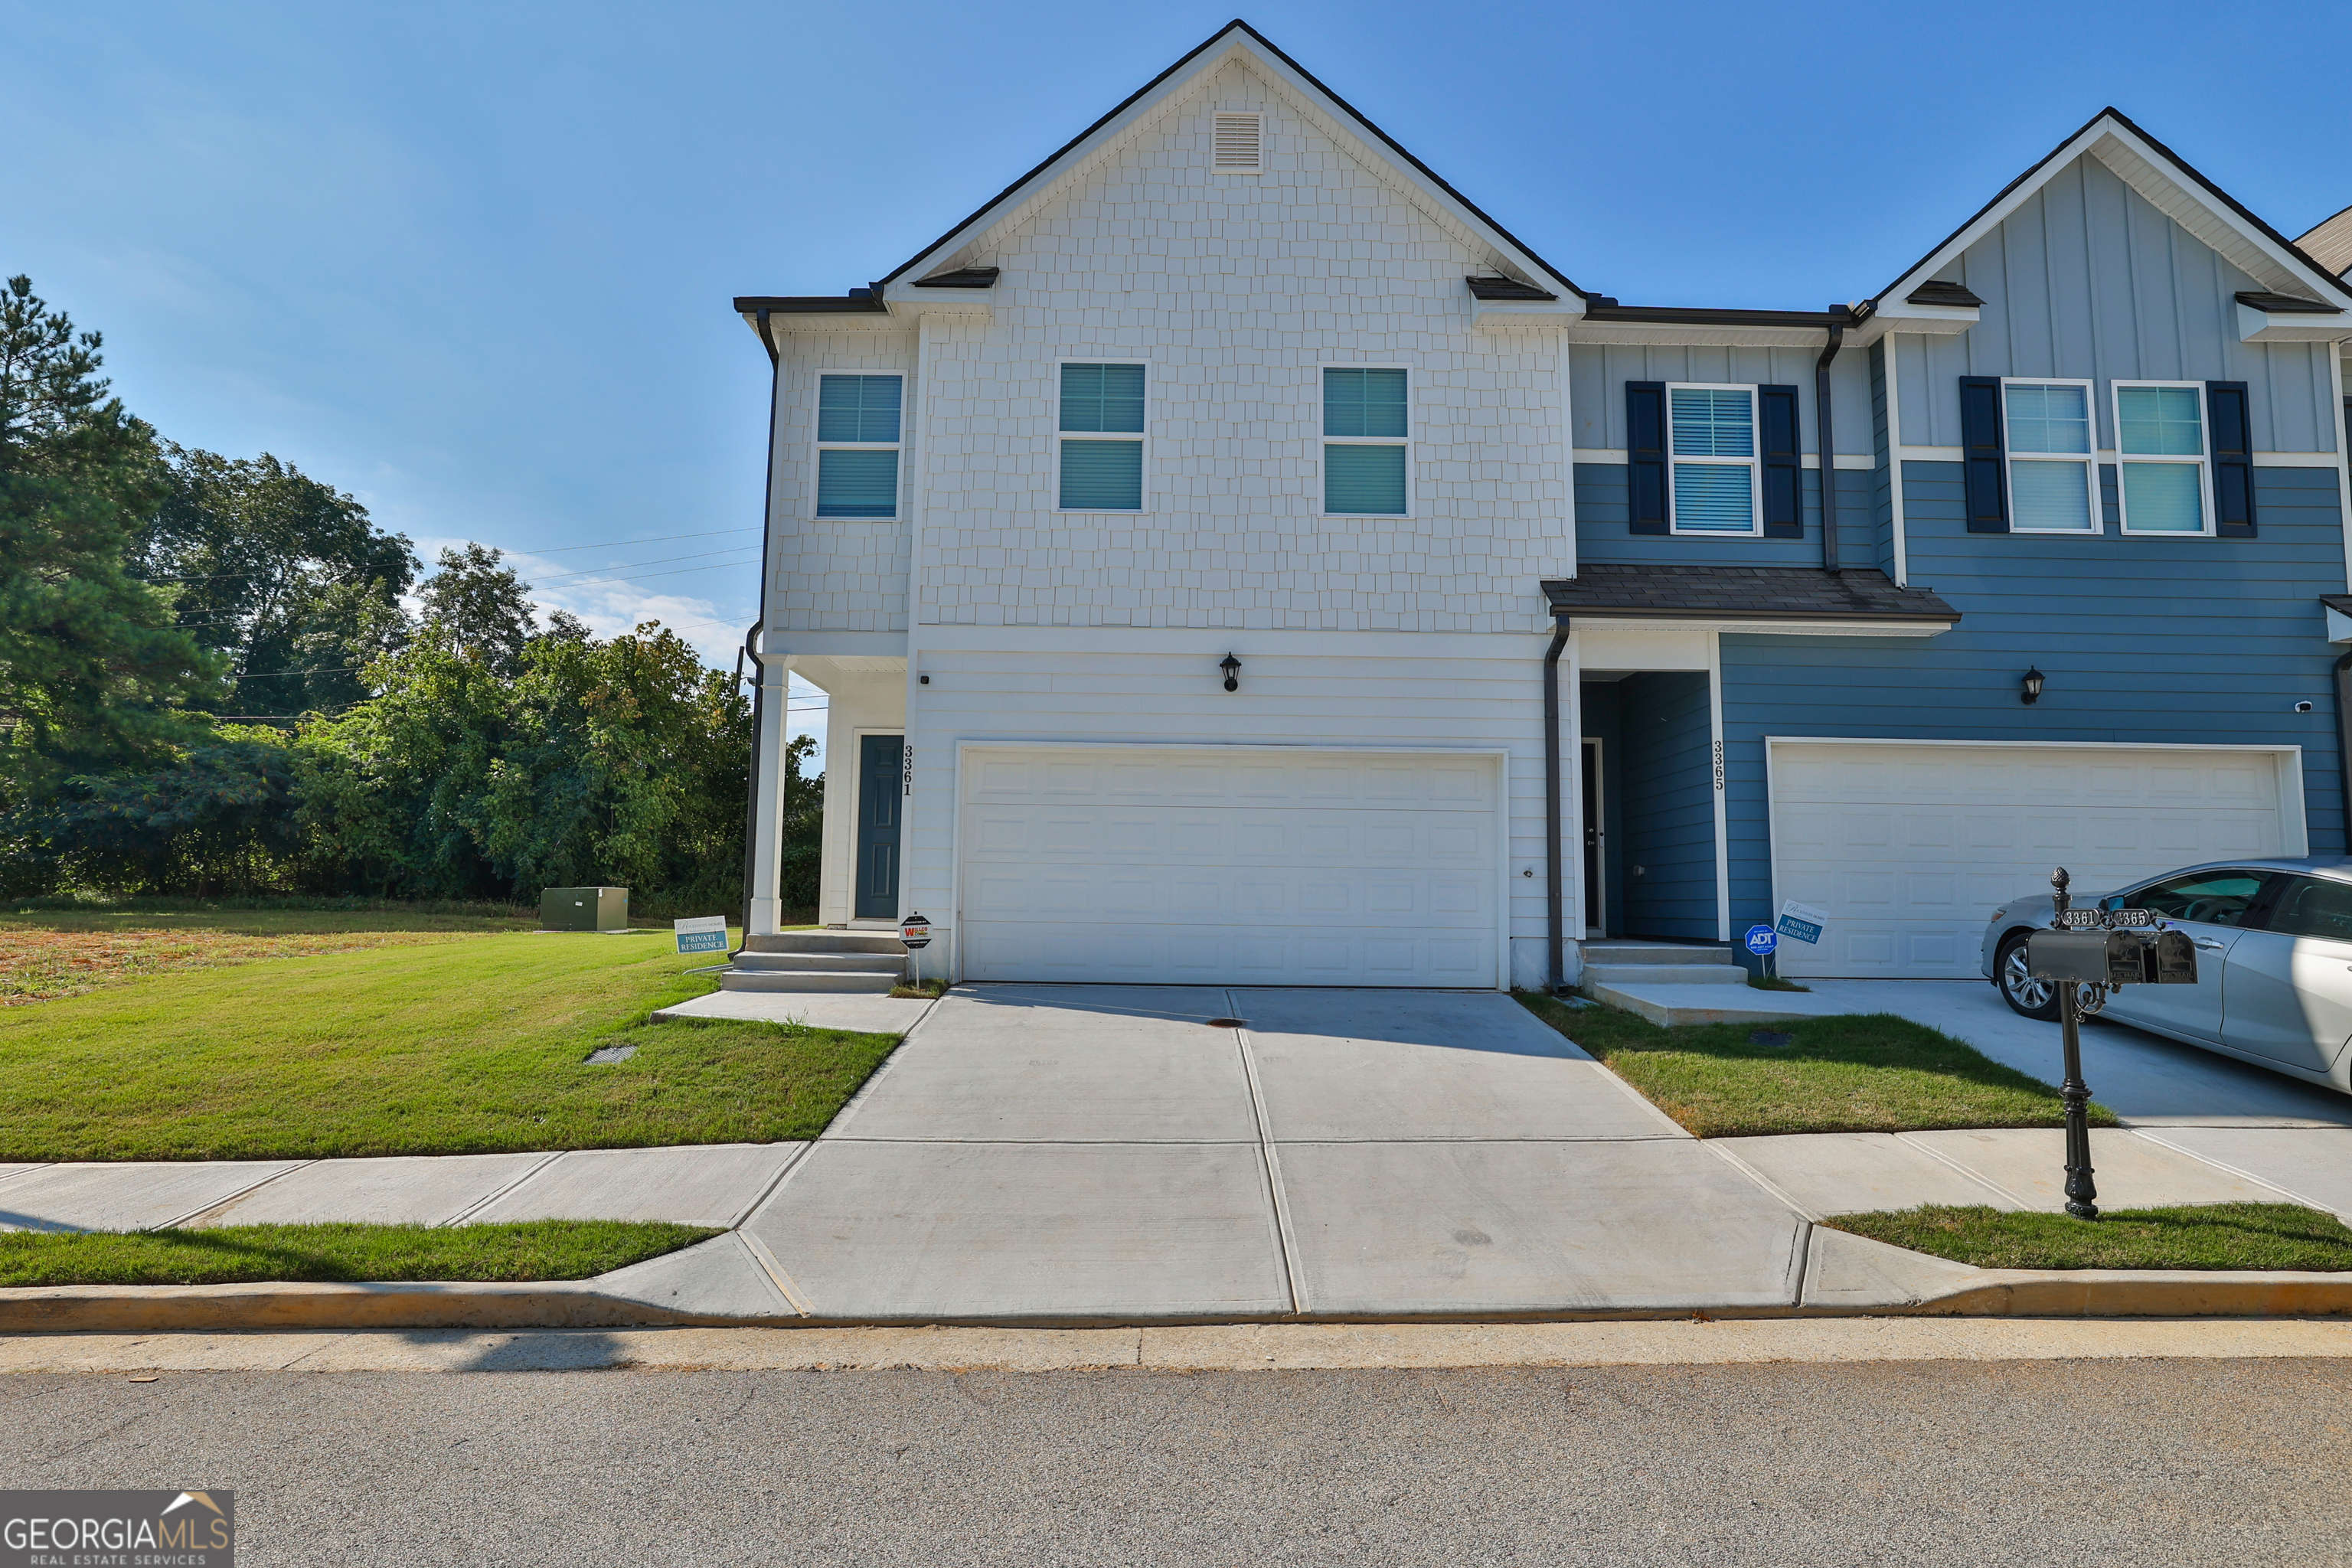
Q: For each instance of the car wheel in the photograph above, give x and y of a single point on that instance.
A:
(2025, 995)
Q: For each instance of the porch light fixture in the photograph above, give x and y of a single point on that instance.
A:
(1232, 669)
(2029, 688)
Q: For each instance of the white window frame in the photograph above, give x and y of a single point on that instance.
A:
(1410, 443)
(817, 447)
(2204, 459)
(1143, 435)
(2090, 459)
(1217, 114)
(1754, 461)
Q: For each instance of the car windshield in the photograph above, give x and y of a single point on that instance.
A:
(2208, 897)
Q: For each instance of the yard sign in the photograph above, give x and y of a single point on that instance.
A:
(704, 933)
(1804, 921)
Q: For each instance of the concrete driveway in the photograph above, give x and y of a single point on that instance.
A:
(1071, 1152)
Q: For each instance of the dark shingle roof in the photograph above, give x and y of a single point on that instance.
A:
(1505, 288)
(1743, 592)
(1936, 292)
(2287, 304)
(962, 277)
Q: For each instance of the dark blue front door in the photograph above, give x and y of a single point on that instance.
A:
(881, 771)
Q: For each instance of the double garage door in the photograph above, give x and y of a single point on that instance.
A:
(1911, 847)
(1235, 867)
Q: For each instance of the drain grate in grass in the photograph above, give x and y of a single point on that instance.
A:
(2204, 1235)
(1852, 1073)
(251, 1254)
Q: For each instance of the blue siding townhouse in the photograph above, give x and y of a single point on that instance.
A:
(1234, 557)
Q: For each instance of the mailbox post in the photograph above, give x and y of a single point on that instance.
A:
(2102, 950)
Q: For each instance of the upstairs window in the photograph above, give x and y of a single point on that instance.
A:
(2052, 477)
(1101, 471)
(2160, 452)
(1711, 435)
(1365, 419)
(857, 445)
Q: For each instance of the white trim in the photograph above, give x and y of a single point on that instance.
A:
(1719, 771)
(2090, 459)
(2343, 428)
(2052, 745)
(1848, 462)
(818, 447)
(1896, 519)
(1410, 443)
(1141, 437)
(1753, 462)
(1567, 455)
(1501, 802)
(2202, 461)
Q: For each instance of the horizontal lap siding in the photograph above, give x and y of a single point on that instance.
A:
(2191, 641)
(1285, 700)
(1597, 373)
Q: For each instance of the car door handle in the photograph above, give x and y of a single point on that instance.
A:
(2210, 946)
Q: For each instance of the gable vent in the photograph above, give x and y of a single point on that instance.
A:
(1239, 139)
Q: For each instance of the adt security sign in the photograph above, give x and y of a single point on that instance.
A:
(1761, 942)
(1803, 922)
(703, 934)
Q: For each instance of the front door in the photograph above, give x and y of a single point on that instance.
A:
(1596, 919)
(881, 775)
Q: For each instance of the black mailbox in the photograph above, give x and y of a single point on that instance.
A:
(2096, 957)
(2176, 959)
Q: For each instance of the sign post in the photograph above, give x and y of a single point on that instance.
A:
(1763, 941)
(915, 931)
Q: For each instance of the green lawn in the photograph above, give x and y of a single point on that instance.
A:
(2206, 1235)
(469, 1046)
(1854, 1073)
(536, 1249)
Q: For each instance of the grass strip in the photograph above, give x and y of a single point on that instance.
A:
(2202, 1235)
(235, 1255)
(1854, 1073)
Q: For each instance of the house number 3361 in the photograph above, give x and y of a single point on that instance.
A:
(908, 753)
(1718, 767)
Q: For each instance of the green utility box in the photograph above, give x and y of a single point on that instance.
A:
(584, 909)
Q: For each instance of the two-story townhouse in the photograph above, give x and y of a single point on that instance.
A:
(1233, 557)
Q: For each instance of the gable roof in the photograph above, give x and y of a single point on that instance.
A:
(1236, 38)
(2330, 243)
(2172, 188)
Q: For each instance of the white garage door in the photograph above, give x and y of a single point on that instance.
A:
(1911, 847)
(1260, 868)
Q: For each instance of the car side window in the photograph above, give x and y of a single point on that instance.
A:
(2313, 906)
(2208, 897)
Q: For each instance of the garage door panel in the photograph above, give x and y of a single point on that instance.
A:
(1909, 878)
(1320, 869)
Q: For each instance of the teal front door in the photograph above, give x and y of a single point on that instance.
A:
(881, 773)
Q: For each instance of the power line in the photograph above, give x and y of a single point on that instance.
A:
(661, 560)
(614, 544)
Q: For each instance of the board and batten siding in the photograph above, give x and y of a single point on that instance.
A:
(1597, 373)
(2165, 641)
(1601, 534)
(2087, 279)
(1318, 698)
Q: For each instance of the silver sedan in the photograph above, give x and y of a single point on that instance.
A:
(2274, 962)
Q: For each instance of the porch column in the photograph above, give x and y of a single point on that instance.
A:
(768, 810)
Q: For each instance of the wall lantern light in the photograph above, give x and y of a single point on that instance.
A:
(1232, 669)
(2029, 688)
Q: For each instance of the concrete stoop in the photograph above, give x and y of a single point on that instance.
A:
(1670, 984)
(867, 962)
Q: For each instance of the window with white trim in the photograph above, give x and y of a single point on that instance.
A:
(1367, 425)
(2051, 457)
(857, 426)
(2163, 478)
(1102, 402)
(1711, 480)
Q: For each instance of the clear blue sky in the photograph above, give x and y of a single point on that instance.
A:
(473, 262)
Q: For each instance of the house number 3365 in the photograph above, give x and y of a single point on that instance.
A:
(1718, 767)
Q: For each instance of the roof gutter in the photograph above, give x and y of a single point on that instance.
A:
(1828, 444)
(751, 639)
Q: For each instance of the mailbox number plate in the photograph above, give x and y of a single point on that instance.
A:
(2121, 920)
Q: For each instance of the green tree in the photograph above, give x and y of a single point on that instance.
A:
(284, 575)
(92, 672)
(218, 819)
(484, 609)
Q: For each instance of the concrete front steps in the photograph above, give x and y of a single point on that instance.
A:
(870, 961)
(1669, 984)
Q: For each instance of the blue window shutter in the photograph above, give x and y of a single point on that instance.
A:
(1784, 464)
(1645, 456)
(1980, 458)
(2229, 434)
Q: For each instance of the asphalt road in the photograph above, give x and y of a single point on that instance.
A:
(1920, 1463)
